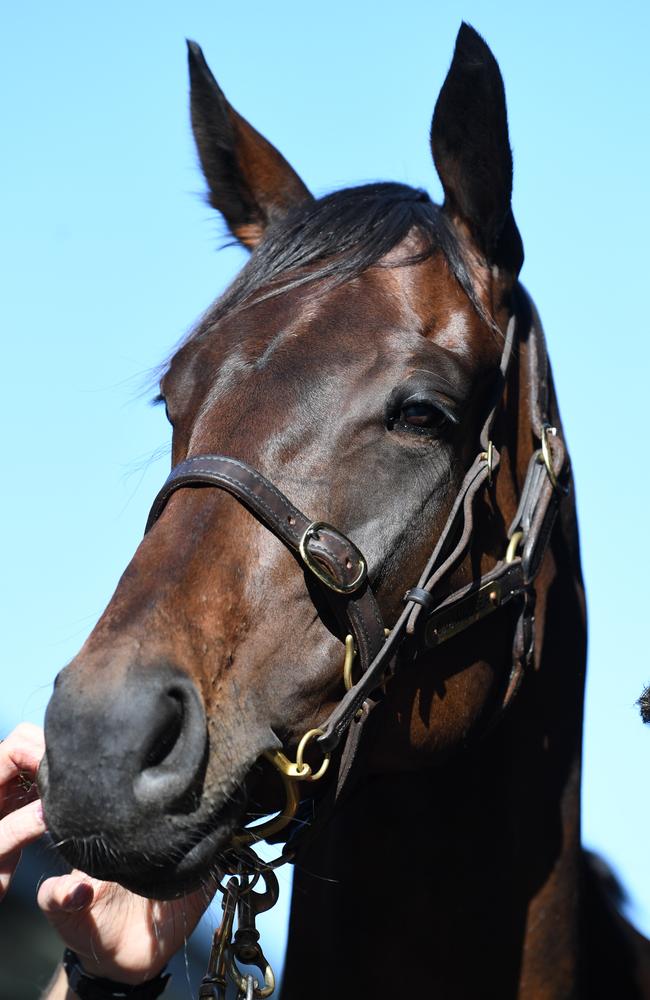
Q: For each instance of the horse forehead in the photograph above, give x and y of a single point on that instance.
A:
(386, 307)
(283, 345)
(295, 334)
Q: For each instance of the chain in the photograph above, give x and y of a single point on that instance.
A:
(240, 900)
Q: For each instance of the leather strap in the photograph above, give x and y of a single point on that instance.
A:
(317, 544)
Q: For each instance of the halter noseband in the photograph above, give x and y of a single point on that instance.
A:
(341, 571)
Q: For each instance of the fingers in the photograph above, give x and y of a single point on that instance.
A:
(21, 751)
(66, 894)
(20, 755)
(119, 935)
(16, 830)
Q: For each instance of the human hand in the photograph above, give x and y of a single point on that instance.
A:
(21, 815)
(115, 933)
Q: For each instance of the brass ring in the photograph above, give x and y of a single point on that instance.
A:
(488, 457)
(253, 834)
(301, 763)
(547, 458)
(350, 655)
(348, 663)
(513, 545)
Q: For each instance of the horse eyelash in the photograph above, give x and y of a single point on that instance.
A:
(157, 400)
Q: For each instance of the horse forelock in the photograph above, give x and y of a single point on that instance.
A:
(336, 238)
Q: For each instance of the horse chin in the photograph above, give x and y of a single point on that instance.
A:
(171, 863)
(195, 870)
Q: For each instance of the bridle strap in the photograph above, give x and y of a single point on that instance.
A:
(330, 556)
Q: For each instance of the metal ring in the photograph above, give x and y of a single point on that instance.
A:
(348, 662)
(547, 458)
(488, 457)
(253, 834)
(299, 770)
(319, 571)
(241, 981)
(513, 545)
(300, 762)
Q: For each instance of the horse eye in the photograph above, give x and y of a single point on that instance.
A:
(424, 415)
(160, 400)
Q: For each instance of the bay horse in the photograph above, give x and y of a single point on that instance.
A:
(378, 365)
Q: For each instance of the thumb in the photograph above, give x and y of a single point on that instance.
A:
(64, 895)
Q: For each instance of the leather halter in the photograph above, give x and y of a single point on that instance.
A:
(340, 569)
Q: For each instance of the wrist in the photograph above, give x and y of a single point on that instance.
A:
(86, 986)
(58, 987)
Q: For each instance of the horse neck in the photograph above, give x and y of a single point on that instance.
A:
(464, 877)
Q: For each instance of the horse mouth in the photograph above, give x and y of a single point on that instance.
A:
(173, 855)
(163, 862)
(197, 865)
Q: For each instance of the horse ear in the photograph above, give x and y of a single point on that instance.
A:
(250, 182)
(471, 151)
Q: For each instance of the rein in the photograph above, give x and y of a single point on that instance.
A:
(427, 621)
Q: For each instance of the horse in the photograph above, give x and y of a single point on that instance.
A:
(406, 661)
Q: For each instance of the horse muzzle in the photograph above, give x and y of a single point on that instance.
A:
(123, 779)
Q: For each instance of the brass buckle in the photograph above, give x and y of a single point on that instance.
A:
(319, 571)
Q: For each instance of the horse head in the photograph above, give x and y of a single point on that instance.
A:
(352, 365)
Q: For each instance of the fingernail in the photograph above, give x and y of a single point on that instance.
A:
(37, 807)
(80, 896)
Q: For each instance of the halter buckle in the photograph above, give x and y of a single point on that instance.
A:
(319, 571)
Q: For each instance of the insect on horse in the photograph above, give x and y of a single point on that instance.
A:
(363, 569)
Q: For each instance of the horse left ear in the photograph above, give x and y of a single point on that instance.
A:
(250, 182)
(471, 151)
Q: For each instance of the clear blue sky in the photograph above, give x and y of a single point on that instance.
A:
(109, 254)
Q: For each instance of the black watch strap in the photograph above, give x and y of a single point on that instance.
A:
(89, 987)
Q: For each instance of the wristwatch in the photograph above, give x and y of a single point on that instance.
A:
(89, 987)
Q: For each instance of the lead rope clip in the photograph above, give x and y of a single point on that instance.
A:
(213, 985)
(240, 900)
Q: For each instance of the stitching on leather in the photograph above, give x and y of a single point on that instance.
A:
(249, 471)
(255, 499)
(197, 465)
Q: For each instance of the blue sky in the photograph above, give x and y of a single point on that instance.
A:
(110, 254)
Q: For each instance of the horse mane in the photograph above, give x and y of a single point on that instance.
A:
(339, 236)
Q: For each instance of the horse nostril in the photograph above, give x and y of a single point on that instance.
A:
(167, 732)
(172, 758)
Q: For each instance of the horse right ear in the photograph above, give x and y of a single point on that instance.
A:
(249, 181)
(471, 151)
